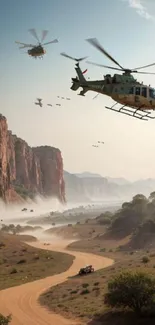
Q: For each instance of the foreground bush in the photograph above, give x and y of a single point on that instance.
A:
(5, 320)
(133, 290)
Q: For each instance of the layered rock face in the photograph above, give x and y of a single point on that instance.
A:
(51, 165)
(25, 170)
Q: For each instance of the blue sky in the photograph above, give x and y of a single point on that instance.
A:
(126, 30)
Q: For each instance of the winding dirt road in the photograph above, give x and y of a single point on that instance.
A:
(21, 301)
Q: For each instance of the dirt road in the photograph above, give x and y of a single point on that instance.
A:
(21, 301)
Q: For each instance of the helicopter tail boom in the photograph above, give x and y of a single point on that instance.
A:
(79, 81)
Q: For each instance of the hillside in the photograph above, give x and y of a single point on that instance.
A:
(21, 263)
(26, 171)
(89, 187)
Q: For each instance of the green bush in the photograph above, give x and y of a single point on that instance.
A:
(133, 290)
(145, 259)
(85, 285)
(23, 192)
(5, 320)
(84, 292)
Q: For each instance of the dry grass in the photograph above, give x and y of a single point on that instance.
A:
(78, 231)
(20, 263)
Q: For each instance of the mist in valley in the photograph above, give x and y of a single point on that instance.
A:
(43, 214)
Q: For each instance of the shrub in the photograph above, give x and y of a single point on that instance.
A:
(102, 249)
(13, 271)
(22, 261)
(84, 292)
(96, 283)
(2, 245)
(74, 291)
(5, 320)
(132, 290)
(145, 259)
(85, 285)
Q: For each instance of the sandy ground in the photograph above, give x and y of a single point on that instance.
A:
(21, 301)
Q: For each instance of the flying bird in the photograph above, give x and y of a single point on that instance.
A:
(39, 102)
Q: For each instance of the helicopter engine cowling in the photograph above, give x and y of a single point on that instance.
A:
(76, 84)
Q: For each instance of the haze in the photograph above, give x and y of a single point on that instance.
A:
(126, 30)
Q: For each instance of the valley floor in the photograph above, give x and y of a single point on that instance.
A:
(82, 297)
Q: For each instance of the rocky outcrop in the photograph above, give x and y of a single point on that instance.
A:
(51, 166)
(26, 171)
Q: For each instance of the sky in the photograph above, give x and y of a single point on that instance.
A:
(126, 29)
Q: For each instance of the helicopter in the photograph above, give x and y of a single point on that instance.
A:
(137, 100)
(39, 102)
(38, 49)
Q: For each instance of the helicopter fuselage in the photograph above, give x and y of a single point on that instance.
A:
(36, 51)
(123, 89)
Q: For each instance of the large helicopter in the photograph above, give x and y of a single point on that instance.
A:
(38, 49)
(136, 99)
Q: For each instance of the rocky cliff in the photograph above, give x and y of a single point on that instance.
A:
(87, 187)
(26, 171)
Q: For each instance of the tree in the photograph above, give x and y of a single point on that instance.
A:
(5, 320)
(139, 197)
(132, 290)
(152, 196)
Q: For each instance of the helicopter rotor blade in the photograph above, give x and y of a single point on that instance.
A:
(143, 72)
(74, 59)
(24, 45)
(145, 66)
(104, 66)
(44, 34)
(54, 41)
(95, 43)
(34, 34)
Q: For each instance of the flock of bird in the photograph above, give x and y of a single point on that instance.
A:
(97, 145)
(39, 101)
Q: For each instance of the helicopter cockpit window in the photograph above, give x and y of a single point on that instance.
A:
(152, 93)
(131, 91)
(144, 91)
(137, 91)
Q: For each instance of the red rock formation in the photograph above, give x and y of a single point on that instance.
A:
(35, 170)
(4, 167)
(28, 170)
(51, 165)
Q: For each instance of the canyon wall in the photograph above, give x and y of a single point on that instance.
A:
(26, 171)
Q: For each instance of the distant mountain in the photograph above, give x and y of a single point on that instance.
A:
(119, 181)
(87, 174)
(96, 188)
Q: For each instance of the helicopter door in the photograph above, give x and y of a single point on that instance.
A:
(137, 93)
(144, 91)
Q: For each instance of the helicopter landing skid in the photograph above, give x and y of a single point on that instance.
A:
(133, 112)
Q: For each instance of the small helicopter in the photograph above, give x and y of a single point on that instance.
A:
(136, 99)
(38, 49)
(39, 102)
